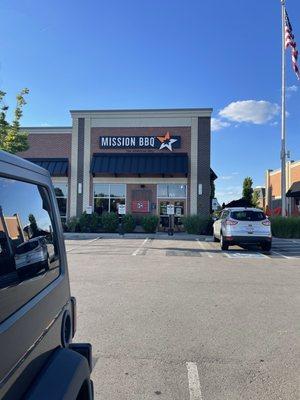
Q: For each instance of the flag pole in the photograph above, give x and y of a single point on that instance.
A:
(283, 116)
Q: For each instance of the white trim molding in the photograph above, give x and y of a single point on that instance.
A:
(73, 169)
(150, 113)
(86, 163)
(39, 130)
(194, 166)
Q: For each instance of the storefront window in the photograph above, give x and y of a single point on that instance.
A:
(101, 190)
(107, 196)
(171, 190)
(117, 190)
(101, 205)
(162, 190)
(61, 193)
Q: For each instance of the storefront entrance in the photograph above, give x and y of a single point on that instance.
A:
(179, 208)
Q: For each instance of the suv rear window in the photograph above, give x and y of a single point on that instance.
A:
(28, 246)
(248, 215)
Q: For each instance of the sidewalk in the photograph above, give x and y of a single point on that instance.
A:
(157, 235)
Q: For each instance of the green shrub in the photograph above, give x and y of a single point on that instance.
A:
(129, 223)
(149, 223)
(286, 227)
(109, 222)
(72, 225)
(89, 222)
(197, 225)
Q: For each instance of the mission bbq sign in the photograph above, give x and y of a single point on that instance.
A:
(140, 142)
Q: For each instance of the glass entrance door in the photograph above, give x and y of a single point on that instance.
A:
(179, 209)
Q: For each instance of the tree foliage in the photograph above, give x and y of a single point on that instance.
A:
(255, 198)
(12, 139)
(247, 189)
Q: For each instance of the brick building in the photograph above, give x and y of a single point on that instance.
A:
(144, 159)
(273, 188)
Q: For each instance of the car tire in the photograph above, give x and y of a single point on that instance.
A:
(21, 274)
(223, 243)
(266, 246)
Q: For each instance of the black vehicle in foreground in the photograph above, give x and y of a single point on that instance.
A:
(37, 313)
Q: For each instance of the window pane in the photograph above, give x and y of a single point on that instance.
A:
(62, 206)
(179, 208)
(61, 189)
(101, 205)
(29, 253)
(117, 190)
(176, 190)
(101, 190)
(114, 204)
(163, 207)
(162, 190)
(248, 215)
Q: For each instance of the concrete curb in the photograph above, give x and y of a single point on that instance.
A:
(158, 235)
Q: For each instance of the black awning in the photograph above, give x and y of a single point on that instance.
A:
(55, 166)
(294, 190)
(140, 163)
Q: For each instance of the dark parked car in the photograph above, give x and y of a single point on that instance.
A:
(37, 313)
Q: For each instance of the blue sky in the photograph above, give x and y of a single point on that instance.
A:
(141, 54)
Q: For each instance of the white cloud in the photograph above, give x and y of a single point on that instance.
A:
(292, 88)
(225, 195)
(256, 112)
(226, 177)
(217, 124)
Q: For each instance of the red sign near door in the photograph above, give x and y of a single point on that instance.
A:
(140, 206)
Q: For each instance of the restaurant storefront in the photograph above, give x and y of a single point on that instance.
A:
(143, 159)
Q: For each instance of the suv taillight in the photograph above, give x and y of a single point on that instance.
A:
(231, 222)
(266, 222)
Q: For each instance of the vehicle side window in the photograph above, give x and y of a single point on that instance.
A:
(225, 214)
(29, 257)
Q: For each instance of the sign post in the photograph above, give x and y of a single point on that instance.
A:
(170, 213)
(121, 212)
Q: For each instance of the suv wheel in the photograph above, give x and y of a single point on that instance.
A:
(223, 243)
(216, 239)
(266, 246)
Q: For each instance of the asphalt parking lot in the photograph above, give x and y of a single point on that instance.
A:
(179, 319)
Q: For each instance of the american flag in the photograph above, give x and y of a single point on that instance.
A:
(290, 42)
(140, 206)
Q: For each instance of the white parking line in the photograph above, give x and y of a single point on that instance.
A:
(281, 255)
(203, 248)
(136, 252)
(84, 244)
(194, 382)
(245, 255)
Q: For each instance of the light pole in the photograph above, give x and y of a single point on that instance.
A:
(283, 125)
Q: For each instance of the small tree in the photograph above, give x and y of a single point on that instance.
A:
(11, 139)
(255, 198)
(33, 225)
(247, 189)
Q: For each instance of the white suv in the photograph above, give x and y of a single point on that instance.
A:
(242, 226)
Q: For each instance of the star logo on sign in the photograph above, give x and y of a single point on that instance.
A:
(166, 141)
